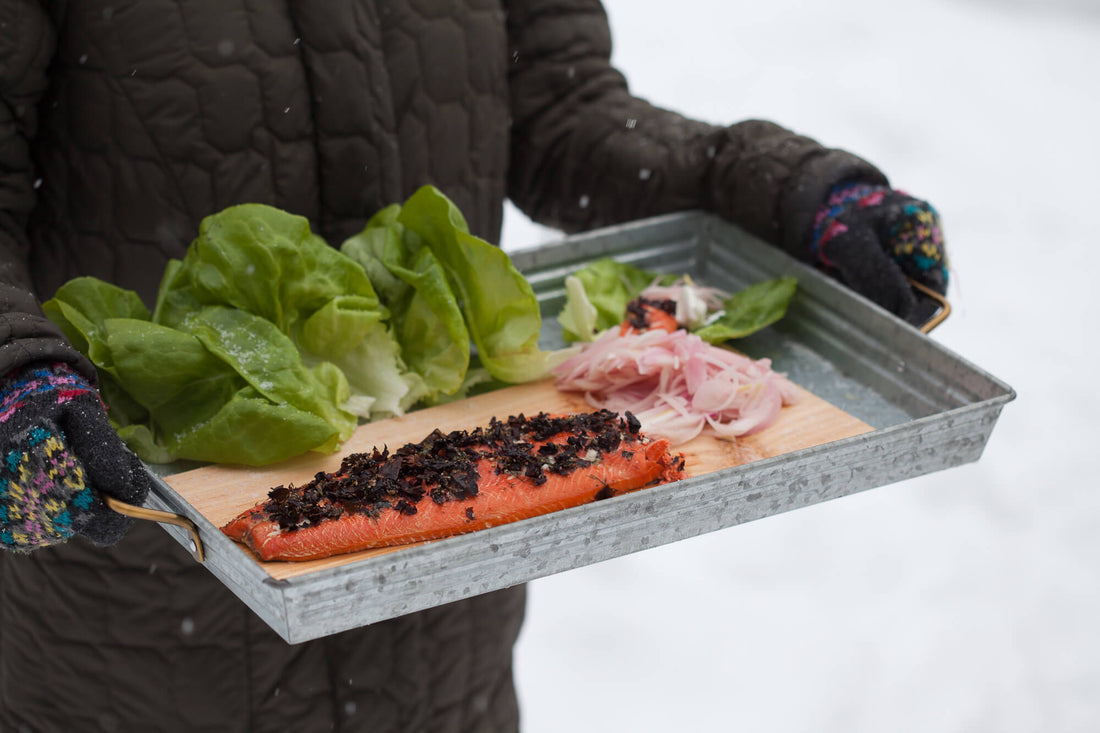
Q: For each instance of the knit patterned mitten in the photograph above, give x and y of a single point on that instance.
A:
(873, 237)
(58, 452)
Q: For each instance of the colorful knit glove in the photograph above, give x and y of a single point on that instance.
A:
(872, 238)
(57, 453)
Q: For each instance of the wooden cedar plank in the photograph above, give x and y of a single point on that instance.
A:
(220, 492)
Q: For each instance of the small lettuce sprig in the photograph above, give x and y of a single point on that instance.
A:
(597, 296)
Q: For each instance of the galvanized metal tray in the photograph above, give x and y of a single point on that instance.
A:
(928, 409)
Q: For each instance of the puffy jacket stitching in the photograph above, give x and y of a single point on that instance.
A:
(795, 243)
(272, 173)
(161, 159)
(315, 133)
(8, 72)
(333, 684)
(249, 671)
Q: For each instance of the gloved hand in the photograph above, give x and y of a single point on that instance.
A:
(58, 453)
(871, 238)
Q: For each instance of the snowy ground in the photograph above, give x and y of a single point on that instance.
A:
(962, 601)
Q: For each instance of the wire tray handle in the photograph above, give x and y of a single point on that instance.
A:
(941, 315)
(155, 515)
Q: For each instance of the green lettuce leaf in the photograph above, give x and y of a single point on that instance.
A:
(427, 321)
(579, 317)
(264, 261)
(606, 286)
(252, 430)
(266, 358)
(499, 306)
(82, 308)
(749, 310)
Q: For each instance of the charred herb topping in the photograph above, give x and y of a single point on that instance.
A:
(443, 466)
(637, 310)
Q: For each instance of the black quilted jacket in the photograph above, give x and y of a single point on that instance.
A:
(124, 122)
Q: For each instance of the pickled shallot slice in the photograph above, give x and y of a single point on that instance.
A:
(676, 384)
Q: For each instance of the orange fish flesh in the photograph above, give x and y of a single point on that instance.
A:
(455, 483)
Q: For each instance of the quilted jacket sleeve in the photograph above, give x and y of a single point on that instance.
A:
(586, 153)
(26, 45)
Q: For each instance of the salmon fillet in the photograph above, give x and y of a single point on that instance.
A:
(459, 482)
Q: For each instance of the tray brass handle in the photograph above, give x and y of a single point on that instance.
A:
(945, 307)
(155, 515)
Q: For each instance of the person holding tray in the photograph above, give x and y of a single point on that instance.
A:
(124, 123)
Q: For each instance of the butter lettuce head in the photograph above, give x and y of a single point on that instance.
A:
(267, 262)
(497, 305)
(201, 391)
(236, 362)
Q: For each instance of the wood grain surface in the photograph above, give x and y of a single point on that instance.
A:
(221, 492)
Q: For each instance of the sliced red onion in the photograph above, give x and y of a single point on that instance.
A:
(676, 384)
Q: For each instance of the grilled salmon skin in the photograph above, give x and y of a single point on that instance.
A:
(457, 482)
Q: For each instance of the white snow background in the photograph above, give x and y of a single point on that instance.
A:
(966, 600)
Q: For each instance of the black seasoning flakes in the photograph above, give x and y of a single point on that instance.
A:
(637, 311)
(444, 466)
(604, 493)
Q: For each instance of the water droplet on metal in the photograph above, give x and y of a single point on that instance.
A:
(226, 47)
(584, 202)
(644, 174)
(83, 59)
(187, 626)
(350, 707)
(37, 183)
